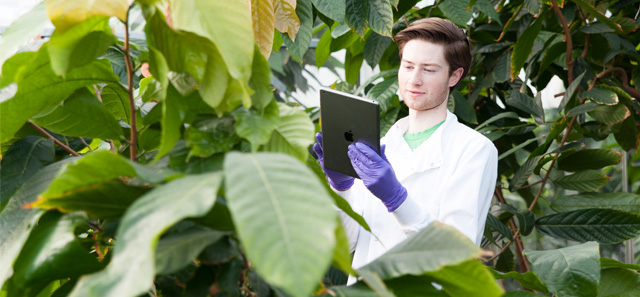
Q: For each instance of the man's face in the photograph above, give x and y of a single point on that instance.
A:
(423, 76)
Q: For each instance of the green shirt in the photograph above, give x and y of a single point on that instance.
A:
(414, 140)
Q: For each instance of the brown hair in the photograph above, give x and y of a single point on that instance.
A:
(443, 32)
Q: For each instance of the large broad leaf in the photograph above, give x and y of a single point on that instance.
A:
(429, 250)
(374, 48)
(611, 263)
(24, 158)
(356, 15)
(583, 108)
(175, 251)
(323, 49)
(599, 15)
(297, 49)
(104, 200)
(585, 181)
(610, 114)
(173, 114)
(40, 89)
(383, 92)
(380, 18)
(131, 271)
(524, 172)
(54, 252)
(270, 196)
(263, 17)
(528, 280)
(618, 282)
(524, 46)
(116, 100)
(375, 283)
(22, 29)
(257, 127)
(463, 109)
(486, 7)
(588, 159)
(602, 96)
(286, 19)
(334, 9)
(80, 45)
(470, 278)
(456, 11)
(602, 225)
(571, 89)
(17, 222)
(570, 271)
(341, 255)
(205, 18)
(293, 134)
(81, 115)
(628, 202)
(64, 14)
(627, 137)
(527, 104)
(260, 82)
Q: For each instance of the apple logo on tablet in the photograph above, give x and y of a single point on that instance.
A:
(348, 136)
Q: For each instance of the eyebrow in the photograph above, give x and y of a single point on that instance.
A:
(421, 64)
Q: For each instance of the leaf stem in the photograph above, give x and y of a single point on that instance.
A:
(132, 106)
(522, 260)
(58, 142)
(569, 41)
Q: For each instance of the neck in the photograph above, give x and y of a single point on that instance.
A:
(420, 120)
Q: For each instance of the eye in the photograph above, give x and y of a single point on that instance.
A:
(408, 67)
(429, 70)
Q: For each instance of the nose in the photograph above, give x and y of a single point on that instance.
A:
(414, 77)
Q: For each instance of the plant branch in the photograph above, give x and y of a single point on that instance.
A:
(625, 81)
(530, 185)
(58, 142)
(522, 260)
(567, 37)
(132, 106)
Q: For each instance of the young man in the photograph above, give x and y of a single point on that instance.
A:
(431, 167)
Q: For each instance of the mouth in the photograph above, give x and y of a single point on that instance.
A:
(414, 93)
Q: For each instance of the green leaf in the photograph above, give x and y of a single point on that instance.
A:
(255, 126)
(429, 250)
(375, 283)
(40, 89)
(334, 9)
(569, 271)
(116, 100)
(22, 29)
(356, 15)
(601, 96)
(585, 181)
(524, 46)
(17, 221)
(53, 252)
(341, 254)
(383, 92)
(583, 108)
(380, 17)
(470, 278)
(173, 114)
(524, 172)
(323, 49)
(80, 44)
(611, 263)
(374, 48)
(293, 134)
(618, 282)
(24, 159)
(383, 74)
(131, 271)
(463, 109)
(263, 19)
(297, 49)
(588, 159)
(266, 194)
(628, 202)
(500, 116)
(205, 18)
(260, 82)
(571, 89)
(599, 15)
(610, 114)
(410, 285)
(211, 135)
(81, 115)
(496, 225)
(105, 200)
(528, 280)
(602, 225)
(175, 251)
(457, 12)
(65, 14)
(486, 7)
(527, 104)
(352, 66)
(533, 6)
(516, 148)
(627, 137)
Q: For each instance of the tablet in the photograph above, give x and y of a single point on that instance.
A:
(345, 119)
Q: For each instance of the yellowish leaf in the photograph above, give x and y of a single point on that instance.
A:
(263, 17)
(286, 19)
(64, 13)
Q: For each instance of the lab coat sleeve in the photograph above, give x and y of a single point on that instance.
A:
(468, 191)
(411, 216)
(351, 227)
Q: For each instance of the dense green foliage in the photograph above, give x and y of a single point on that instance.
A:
(197, 180)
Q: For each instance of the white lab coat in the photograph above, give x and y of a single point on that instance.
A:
(450, 178)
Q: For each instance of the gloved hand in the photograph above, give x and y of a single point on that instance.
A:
(377, 175)
(337, 180)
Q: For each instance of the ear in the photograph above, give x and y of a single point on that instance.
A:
(455, 77)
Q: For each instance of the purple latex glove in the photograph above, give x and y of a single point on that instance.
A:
(337, 180)
(377, 175)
